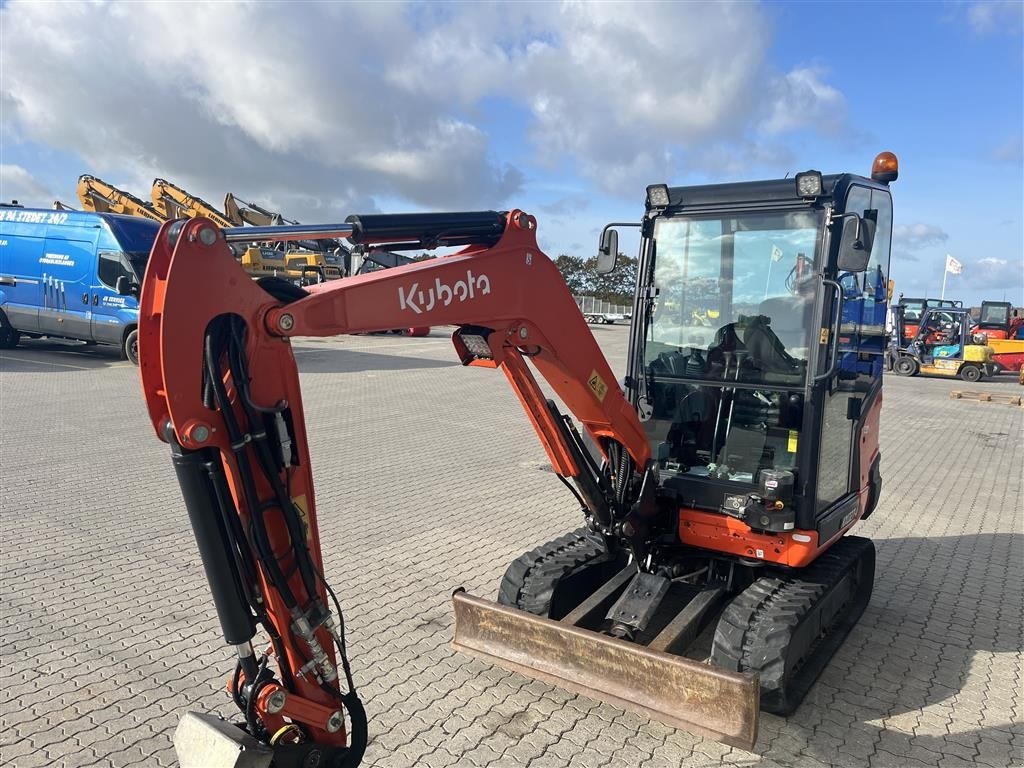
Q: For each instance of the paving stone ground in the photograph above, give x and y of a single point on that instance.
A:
(429, 477)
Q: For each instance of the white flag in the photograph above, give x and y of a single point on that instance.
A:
(954, 266)
(776, 253)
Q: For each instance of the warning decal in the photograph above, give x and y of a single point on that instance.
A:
(597, 385)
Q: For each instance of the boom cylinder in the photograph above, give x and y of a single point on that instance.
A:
(197, 489)
(428, 229)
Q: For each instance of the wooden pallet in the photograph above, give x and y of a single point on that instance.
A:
(985, 397)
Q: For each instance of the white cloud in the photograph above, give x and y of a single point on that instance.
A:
(802, 99)
(16, 183)
(992, 274)
(308, 106)
(274, 100)
(990, 16)
(916, 236)
(631, 92)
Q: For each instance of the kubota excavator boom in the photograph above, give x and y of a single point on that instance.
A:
(97, 195)
(223, 391)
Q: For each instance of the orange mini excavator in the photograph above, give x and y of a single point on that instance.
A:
(716, 482)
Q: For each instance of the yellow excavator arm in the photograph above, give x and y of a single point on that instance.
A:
(97, 195)
(175, 203)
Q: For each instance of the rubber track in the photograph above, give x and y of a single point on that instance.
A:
(756, 628)
(530, 580)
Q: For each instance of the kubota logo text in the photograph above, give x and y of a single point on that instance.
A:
(419, 300)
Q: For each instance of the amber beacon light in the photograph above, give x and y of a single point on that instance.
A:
(886, 167)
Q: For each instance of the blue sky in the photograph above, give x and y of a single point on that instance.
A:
(565, 110)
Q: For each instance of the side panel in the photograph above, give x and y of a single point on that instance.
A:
(68, 260)
(21, 247)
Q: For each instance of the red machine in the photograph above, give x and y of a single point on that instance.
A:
(714, 518)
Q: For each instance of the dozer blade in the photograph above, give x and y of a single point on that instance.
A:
(681, 692)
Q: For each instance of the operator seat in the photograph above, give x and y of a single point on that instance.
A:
(790, 318)
(765, 349)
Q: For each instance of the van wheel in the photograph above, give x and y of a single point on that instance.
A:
(130, 351)
(9, 337)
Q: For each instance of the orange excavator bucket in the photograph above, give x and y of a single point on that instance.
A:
(681, 692)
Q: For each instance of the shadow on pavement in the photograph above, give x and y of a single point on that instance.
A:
(38, 355)
(921, 661)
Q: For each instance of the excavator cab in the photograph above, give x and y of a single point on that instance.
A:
(793, 363)
(995, 320)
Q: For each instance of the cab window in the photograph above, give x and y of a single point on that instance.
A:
(113, 266)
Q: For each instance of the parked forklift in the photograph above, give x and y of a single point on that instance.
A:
(942, 345)
(913, 309)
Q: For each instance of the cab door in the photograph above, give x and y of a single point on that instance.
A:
(851, 380)
(110, 311)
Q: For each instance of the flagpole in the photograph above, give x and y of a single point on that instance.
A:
(945, 272)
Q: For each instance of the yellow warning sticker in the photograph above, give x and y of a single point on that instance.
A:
(597, 385)
(824, 336)
(300, 503)
(794, 438)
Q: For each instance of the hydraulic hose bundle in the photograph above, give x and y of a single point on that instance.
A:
(240, 557)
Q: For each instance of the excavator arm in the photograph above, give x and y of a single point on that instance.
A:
(174, 202)
(221, 385)
(97, 195)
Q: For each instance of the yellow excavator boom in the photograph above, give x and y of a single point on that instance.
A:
(97, 195)
(175, 203)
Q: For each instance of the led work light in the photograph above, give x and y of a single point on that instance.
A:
(657, 196)
(808, 184)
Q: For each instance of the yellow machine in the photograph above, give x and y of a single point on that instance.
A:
(310, 258)
(175, 203)
(243, 212)
(304, 266)
(942, 345)
(975, 363)
(97, 195)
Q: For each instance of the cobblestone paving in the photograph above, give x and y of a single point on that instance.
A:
(428, 478)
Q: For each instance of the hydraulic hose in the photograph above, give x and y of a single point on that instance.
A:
(238, 443)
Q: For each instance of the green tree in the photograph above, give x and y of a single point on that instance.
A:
(575, 273)
(618, 285)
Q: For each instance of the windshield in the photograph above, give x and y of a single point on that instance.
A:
(735, 297)
(135, 236)
(995, 314)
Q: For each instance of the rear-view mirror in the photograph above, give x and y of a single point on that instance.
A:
(608, 251)
(125, 287)
(857, 239)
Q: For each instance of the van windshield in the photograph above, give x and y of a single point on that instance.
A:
(136, 237)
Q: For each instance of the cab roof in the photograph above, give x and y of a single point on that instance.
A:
(757, 193)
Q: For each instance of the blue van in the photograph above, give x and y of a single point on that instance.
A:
(73, 275)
